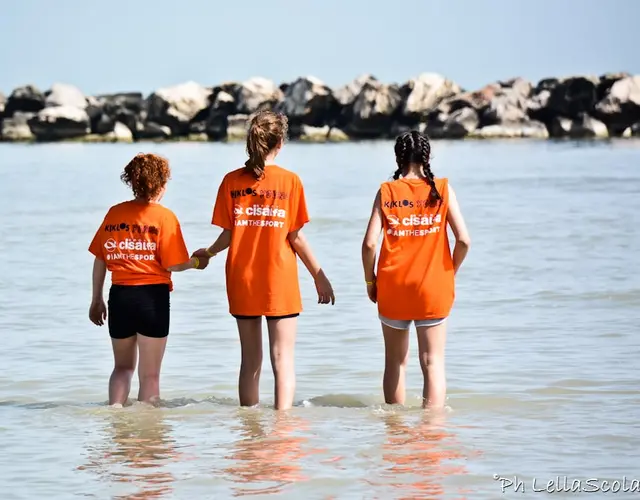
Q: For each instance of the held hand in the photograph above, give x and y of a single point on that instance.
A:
(325, 291)
(98, 312)
(201, 253)
(372, 292)
(201, 262)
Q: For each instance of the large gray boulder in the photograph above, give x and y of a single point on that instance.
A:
(16, 127)
(373, 112)
(459, 115)
(255, 94)
(508, 105)
(620, 108)
(348, 93)
(128, 108)
(455, 125)
(308, 101)
(423, 94)
(63, 94)
(176, 106)
(570, 98)
(582, 127)
(28, 99)
(60, 122)
(222, 106)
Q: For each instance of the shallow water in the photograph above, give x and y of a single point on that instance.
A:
(542, 356)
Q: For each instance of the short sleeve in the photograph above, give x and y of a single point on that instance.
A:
(96, 247)
(222, 211)
(172, 249)
(300, 215)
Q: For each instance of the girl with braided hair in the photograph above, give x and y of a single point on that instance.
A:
(414, 282)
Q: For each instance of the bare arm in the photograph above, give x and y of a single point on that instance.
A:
(98, 276)
(222, 243)
(370, 241)
(301, 246)
(192, 263)
(459, 228)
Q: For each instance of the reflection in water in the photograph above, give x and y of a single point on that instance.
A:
(136, 451)
(418, 454)
(262, 456)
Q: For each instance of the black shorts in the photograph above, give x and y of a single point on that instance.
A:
(269, 318)
(142, 309)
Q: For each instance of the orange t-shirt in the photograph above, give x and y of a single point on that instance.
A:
(262, 267)
(139, 241)
(415, 276)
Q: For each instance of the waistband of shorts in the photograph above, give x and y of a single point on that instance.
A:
(406, 323)
(145, 286)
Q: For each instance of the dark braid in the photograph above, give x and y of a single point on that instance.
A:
(401, 149)
(426, 167)
(413, 147)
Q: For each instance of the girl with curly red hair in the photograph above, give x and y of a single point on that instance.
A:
(140, 242)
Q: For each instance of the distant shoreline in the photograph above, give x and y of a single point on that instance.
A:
(579, 107)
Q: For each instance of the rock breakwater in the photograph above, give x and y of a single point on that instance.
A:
(366, 108)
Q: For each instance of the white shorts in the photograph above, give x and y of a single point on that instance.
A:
(400, 324)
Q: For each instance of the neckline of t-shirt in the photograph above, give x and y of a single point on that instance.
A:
(416, 181)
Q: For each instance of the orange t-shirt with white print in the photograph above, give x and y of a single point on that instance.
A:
(415, 274)
(262, 267)
(139, 241)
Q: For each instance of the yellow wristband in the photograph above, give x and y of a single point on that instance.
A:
(197, 263)
(210, 254)
(370, 282)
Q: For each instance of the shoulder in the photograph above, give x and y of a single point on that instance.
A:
(285, 177)
(121, 209)
(283, 173)
(166, 215)
(387, 186)
(234, 174)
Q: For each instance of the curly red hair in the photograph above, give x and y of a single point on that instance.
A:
(146, 175)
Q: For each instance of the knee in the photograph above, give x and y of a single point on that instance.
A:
(431, 361)
(124, 369)
(281, 361)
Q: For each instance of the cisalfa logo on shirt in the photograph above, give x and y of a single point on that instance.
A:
(419, 225)
(244, 215)
(260, 211)
(130, 249)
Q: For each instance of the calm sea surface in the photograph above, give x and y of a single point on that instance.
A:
(543, 356)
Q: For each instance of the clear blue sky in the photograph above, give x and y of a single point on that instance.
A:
(119, 45)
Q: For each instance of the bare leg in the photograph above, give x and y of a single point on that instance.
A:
(396, 353)
(251, 365)
(151, 354)
(431, 347)
(124, 356)
(282, 343)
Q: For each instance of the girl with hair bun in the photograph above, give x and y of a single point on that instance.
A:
(414, 282)
(261, 209)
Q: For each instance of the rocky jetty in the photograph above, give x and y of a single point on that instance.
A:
(366, 108)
